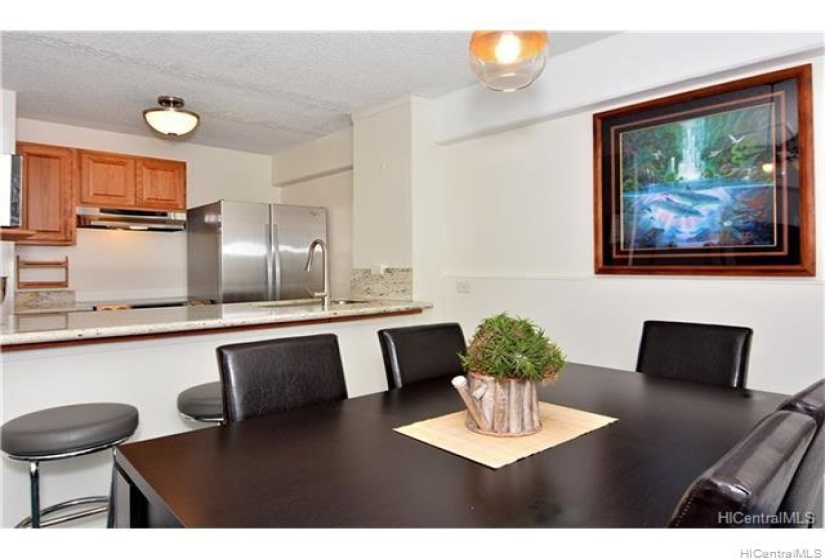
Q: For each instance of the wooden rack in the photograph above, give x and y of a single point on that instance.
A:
(26, 284)
(15, 234)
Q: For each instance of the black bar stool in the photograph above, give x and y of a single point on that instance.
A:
(64, 432)
(202, 403)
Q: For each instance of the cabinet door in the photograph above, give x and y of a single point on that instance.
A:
(49, 178)
(107, 180)
(161, 184)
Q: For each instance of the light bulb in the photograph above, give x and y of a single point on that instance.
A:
(170, 120)
(508, 49)
(507, 60)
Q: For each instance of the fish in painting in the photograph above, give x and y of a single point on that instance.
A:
(693, 199)
(675, 208)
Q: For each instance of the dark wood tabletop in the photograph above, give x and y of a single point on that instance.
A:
(342, 465)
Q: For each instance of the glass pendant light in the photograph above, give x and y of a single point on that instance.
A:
(170, 119)
(508, 60)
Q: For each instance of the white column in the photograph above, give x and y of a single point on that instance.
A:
(381, 199)
(8, 121)
(429, 238)
(398, 208)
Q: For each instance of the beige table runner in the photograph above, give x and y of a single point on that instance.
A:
(559, 424)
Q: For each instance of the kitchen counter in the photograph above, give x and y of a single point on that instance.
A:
(146, 357)
(22, 332)
(51, 310)
(69, 305)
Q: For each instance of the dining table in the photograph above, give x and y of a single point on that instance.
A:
(343, 464)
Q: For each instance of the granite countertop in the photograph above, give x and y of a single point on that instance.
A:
(74, 327)
(73, 308)
(51, 304)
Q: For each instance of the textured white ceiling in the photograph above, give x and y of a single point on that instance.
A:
(258, 92)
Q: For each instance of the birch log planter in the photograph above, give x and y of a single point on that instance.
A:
(500, 407)
(505, 359)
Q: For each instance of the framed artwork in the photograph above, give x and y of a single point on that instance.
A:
(716, 181)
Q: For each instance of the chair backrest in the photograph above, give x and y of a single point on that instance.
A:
(810, 401)
(713, 354)
(270, 376)
(421, 352)
(746, 486)
(802, 505)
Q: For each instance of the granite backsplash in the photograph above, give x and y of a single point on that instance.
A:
(392, 284)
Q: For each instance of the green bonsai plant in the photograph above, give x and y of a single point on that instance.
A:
(512, 347)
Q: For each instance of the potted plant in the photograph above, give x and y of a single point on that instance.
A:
(506, 358)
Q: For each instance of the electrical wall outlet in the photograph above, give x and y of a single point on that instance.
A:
(463, 287)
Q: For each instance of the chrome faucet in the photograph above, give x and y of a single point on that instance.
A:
(325, 294)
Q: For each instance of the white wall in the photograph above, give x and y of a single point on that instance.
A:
(120, 264)
(622, 65)
(8, 121)
(8, 126)
(429, 215)
(521, 236)
(328, 155)
(382, 211)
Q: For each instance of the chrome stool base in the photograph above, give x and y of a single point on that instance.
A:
(34, 520)
(27, 522)
(200, 420)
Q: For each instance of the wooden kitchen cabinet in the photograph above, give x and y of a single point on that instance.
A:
(161, 184)
(49, 183)
(107, 180)
(123, 181)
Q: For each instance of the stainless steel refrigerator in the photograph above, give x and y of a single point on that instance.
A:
(248, 251)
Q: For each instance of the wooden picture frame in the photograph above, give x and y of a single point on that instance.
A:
(715, 181)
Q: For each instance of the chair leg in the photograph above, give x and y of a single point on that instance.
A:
(110, 515)
(34, 488)
(35, 520)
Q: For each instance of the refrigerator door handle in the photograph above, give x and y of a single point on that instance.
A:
(270, 266)
(275, 268)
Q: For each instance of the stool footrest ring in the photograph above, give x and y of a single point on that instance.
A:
(102, 507)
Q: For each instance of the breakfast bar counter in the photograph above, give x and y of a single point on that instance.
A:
(22, 332)
(146, 357)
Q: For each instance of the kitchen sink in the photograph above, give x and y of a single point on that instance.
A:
(346, 301)
(306, 302)
(287, 303)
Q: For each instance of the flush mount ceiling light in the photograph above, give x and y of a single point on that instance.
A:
(170, 120)
(508, 60)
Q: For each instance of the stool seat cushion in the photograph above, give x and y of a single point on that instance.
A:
(67, 429)
(202, 401)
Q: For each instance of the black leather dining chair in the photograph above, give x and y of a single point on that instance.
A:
(705, 353)
(421, 352)
(803, 503)
(746, 486)
(270, 376)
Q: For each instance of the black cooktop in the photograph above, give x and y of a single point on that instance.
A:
(146, 303)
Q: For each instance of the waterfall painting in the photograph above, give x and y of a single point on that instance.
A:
(713, 181)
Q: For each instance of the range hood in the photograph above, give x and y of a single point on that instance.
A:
(138, 220)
